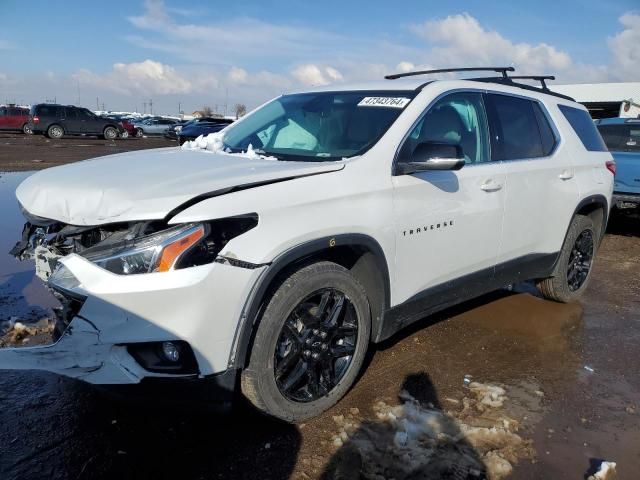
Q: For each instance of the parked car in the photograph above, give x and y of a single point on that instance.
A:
(127, 128)
(320, 224)
(14, 118)
(622, 136)
(194, 130)
(172, 133)
(55, 121)
(153, 126)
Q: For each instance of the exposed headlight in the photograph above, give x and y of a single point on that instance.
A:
(178, 128)
(158, 252)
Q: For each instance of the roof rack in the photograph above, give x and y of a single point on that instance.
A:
(540, 78)
(502, 70)
(510, 82)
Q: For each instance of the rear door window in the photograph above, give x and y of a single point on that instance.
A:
(3, 111)
(515, 130)
(583, 125)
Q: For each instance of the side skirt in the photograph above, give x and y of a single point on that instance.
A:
(465, 288)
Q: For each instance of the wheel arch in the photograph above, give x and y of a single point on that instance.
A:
(596, 207)
(360, 254)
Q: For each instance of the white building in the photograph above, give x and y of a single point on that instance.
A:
(605, 99)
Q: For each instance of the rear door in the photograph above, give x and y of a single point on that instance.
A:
(14, 118)
(72, 123)
(541, 191)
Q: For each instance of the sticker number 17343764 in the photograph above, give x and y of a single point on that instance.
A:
(389, 102)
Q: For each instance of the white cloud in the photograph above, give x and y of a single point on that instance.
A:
(404, 67)
(625, 48)
(462, 40)
(314, 75)
(6, 45)
(148, 77)
(238, 75)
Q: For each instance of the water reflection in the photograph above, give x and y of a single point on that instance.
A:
(22, 295)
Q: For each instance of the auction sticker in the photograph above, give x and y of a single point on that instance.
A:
(389, 102)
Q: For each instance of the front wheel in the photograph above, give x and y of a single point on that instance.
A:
(110, 133)
(573, 269)
(310, 343)
(26, 129)
(139, 133)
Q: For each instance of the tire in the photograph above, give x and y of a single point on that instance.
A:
(318, 347)
(573, 269)
(124, 134)
(139, 133)
(55, 131)
(110, 133)
(26, 129)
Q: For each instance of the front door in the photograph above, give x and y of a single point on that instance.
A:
(448, 223)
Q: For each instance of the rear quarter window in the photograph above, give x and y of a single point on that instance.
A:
(583, 125)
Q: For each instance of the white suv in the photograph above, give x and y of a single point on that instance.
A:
(270, 257)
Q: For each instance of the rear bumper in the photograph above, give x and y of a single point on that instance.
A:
(626, 200)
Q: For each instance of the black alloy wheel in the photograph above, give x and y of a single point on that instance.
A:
(316, 346)
(580, 260)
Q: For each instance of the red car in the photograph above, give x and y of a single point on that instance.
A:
(14, 118)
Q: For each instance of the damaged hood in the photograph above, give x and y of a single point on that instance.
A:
(148, 184)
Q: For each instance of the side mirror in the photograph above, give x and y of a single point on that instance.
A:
(433, 156)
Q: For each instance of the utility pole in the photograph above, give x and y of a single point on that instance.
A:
(151, 106)
(179, 108)
(144, 106)
(97, 105)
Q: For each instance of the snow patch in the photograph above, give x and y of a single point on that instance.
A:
(214, 143)
(607, 471)
(412, 440)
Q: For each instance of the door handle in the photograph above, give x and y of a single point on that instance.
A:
(491, 186)
(566, 175)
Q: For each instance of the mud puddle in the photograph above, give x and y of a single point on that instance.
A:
(25, 303)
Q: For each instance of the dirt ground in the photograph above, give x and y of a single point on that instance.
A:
(20, 152)
(509, 383)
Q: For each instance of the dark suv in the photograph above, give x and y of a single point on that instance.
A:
(58, 120)
(14, 118)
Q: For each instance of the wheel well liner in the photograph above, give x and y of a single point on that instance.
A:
(359, 253)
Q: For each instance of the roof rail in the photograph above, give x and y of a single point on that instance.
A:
(509, 81)
(540, 78)
(502, 70)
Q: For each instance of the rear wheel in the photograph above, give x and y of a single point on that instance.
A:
(310, 343)
(26, 129)
(573, 269)
(55, 131)
(110, 133)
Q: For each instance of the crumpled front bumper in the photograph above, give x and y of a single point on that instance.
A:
(199, 305)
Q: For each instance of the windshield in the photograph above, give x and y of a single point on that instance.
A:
(318, 126)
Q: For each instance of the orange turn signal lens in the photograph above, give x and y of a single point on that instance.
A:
(172, 252)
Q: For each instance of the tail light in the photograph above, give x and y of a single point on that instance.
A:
(611, 166)
(36, 119)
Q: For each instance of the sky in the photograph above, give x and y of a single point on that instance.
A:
(185, 55)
